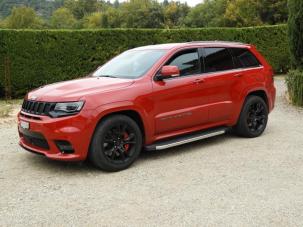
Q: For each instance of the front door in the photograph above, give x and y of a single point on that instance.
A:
(180, 102)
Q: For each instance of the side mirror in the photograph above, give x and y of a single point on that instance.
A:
(168, 71)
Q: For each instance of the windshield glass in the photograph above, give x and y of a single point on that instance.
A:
(130, 64)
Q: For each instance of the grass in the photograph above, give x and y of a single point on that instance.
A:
(6, 107)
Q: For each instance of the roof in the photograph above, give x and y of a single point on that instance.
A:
(169, 46)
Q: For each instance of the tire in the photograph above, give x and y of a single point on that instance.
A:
(253, 118)
(116, 144)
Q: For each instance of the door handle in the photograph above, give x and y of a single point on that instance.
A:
(199, 81)
(238, 75)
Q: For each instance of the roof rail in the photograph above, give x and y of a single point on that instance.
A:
(217, 41)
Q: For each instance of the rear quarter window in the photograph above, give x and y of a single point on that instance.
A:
(243, 58)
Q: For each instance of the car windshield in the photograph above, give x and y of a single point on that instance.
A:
(130, 64)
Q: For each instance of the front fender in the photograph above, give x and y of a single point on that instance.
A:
(116, 107)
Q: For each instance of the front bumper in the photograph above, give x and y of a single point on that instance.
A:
(44, 131)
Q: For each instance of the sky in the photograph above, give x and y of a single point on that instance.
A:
(189, 2)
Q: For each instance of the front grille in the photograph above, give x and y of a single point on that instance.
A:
(38, 108)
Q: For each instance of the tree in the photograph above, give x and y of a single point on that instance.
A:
(23, 17)
(116, 4)
(152, 14)
(174, 13)
(93, 21)
(112, 18)
(241, 13)
(273, 11)
(141, 14)
(165, 3)
(155, 16)
(2, 24)
(42, 7)
(210, 13)
(63, 18)
(80, 8)
(295, 31)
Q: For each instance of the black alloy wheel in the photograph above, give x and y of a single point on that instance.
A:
(119, 143)
(253, 118)
(256, 119)
(116, 144)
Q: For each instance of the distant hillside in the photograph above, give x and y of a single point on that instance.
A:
(43, 8)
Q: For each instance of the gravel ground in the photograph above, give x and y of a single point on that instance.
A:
(222, 181)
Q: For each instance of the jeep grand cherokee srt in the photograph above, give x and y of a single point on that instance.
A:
(151, 97)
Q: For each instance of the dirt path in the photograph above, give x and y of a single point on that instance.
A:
(217, 182)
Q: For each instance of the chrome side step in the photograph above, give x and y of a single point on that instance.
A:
(177, 141)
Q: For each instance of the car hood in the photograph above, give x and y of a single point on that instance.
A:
(74, 90)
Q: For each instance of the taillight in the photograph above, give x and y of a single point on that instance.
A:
(271, 71)
(270, 74)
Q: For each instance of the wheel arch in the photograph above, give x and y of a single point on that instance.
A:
(133, 114)
(257, 91)
(124, 108)
(260, 93)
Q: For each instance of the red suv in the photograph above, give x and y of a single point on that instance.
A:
(151, 97)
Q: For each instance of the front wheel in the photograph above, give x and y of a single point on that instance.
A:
(253, 118)
(116, 144)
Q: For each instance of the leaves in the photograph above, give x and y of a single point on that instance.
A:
(295, 32)
(154, 14)
(294, 81)
(63, 18)
(23, 17)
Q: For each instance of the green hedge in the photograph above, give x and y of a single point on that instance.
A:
(294, 81)
(39, 57)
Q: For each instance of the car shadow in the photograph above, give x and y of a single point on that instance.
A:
(189, 147)
(41, 162)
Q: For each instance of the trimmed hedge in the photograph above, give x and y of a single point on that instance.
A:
(40, 57)
(294, 81)
(295, 25)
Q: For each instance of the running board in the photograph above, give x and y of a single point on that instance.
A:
(188, 138)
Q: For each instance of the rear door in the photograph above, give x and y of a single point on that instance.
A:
(221, 81)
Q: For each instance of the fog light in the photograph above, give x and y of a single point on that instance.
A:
(64, 146)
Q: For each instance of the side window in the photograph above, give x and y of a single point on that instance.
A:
(243, 58)
(217, 59)
(187, 61)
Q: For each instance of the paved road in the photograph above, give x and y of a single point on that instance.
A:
(217, 182)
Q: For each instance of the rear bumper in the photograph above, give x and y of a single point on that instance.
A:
(44, 131)
(272, 100)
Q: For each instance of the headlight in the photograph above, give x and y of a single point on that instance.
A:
(66, 109)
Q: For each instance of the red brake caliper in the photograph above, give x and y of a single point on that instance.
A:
(126, 146)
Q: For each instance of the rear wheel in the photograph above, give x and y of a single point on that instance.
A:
(116, 144)
(253, 118)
